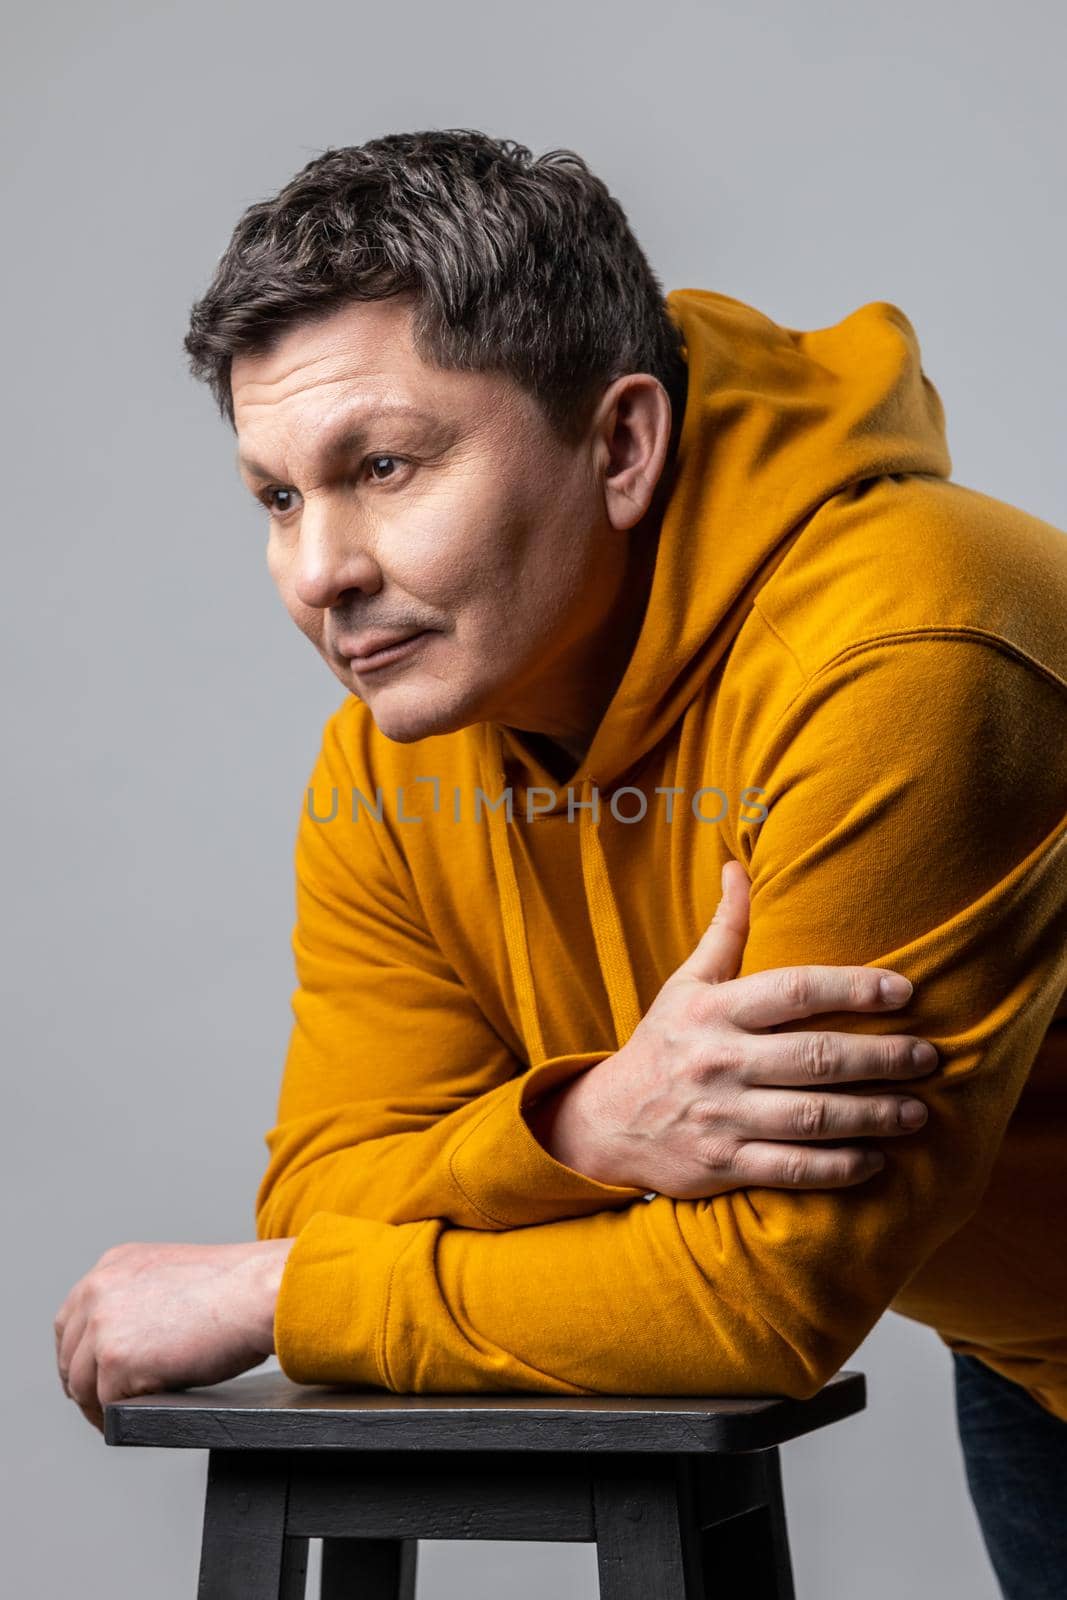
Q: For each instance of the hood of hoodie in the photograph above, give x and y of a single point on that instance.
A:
(777, 420)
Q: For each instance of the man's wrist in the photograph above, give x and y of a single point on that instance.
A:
(269, 1259)
(561, 1123)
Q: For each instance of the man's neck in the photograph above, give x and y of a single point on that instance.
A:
(608, 656)
(560, 762)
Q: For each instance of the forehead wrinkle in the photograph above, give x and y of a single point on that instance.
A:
(355, 422)
(329, 359)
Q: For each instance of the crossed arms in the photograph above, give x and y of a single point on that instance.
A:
(441, 1247)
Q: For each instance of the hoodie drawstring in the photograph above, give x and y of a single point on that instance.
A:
(607, 926)
(511, 910)
(612, 953)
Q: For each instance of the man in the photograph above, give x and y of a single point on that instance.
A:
(634, 599)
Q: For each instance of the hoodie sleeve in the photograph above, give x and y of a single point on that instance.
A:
(398, 1100)
(917, 791)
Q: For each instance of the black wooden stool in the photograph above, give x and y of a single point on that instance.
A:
(683, 1497)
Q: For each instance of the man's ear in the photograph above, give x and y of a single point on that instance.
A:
(632, 430)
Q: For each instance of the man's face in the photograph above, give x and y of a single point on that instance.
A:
(404, 498)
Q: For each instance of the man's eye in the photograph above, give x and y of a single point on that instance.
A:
(279, 502)
(280, 509)
(373, 462)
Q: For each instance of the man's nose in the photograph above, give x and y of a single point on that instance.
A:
(334, 553)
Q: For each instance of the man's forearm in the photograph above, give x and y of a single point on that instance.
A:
(478, 1166)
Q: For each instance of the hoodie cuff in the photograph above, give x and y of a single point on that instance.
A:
(329, 1317)
(509, 1177)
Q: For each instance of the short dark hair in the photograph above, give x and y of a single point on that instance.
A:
(520, 265)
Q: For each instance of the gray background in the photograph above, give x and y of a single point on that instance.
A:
(162, 712)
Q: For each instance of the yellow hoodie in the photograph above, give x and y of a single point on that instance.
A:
(852, 676)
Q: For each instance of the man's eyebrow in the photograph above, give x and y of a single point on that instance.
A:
(349, 435)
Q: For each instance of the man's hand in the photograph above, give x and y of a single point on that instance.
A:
(695, 1101)
(148, 1317)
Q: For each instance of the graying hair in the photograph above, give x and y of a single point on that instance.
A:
(520, 265)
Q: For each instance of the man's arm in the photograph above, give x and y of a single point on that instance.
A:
(398, 1101)
(948, 863)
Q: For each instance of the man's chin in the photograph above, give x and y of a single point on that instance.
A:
(407, 712)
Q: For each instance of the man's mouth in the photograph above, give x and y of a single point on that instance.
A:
(384, 651)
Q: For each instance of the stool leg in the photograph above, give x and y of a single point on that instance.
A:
(777, 1533)
(748, 1553)
(244, 1554)
(647, 1532)
(368, 1569)
(294, 1568)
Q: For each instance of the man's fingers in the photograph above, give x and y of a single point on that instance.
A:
(823, 1058)
(782, 994)
(717, 955)
(82, 1376)
(794, 1166)
(72, 1337)
(791, 1114)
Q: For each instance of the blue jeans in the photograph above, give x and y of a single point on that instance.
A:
(1015, 1455)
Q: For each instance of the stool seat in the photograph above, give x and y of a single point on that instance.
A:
(681, 1495)
(265, 1411)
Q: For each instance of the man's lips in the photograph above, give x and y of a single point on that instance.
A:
(380, 649)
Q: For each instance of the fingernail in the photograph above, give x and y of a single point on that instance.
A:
(912, 1113)
(895, 988)
(875, 1160)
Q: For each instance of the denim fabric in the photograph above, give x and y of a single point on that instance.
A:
(1015, 1455)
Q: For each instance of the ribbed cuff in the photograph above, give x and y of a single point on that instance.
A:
(509, 1177)
(329, 1317)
